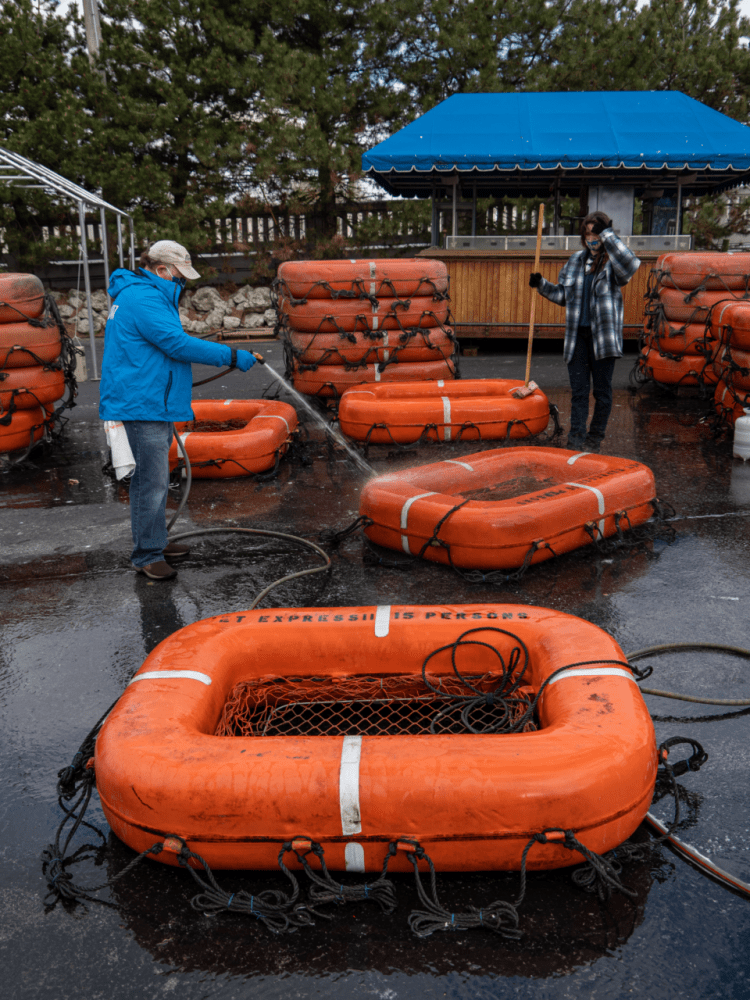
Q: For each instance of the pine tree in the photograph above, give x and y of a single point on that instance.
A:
(43, 116)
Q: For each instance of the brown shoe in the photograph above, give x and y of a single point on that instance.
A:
(158, 570)
(176, 551)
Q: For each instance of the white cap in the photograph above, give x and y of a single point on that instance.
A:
(169, 252)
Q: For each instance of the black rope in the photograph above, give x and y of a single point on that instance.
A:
(278, 911)
(324, 889)
(499, 916)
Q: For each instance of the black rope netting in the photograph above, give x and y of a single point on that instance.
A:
(53, 421)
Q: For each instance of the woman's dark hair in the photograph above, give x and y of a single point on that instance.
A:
(593, 217)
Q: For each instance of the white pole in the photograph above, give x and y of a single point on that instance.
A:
(455, 206)
(119, 239)
(678, 220)
(105, 253)
(132, 244)
(87, 282)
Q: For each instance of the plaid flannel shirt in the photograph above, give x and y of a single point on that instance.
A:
(607, 311)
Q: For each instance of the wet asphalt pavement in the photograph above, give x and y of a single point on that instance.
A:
(77, 622)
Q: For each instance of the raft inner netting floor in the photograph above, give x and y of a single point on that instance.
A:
(507, 489)
(373, 706)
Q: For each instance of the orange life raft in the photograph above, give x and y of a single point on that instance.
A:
(470, 409)
(731, 323)
(30, 387)
(21, 297)
(26, 427)
(330, 381)
(345, 315)
(473, 800)
(397, 277)
(688, 338)
(730, 403)
(508, 507)
(691, 369)
(23, 345)
(358, 347)
(687, 307)
(242, 451)
(705, 269)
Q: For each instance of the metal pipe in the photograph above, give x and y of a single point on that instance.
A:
(105, 255)
(455, 206)
(119, 239)
(434, 220)
(678, 220)
(474, 209)
(132, 243)
(87, 282)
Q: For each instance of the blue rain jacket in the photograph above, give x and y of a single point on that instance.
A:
(146, 373)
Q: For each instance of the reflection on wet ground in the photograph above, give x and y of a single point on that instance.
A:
(71, 643)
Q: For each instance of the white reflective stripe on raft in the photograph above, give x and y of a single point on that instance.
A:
(382, 620)
(405, 515)
(372, 278)
(354, 857)
(599, 497)
(276, 416)
(574, 458)
(169, 675)
(228, 401)
(183, 438)
(377, 371)
(455, 461)
(446, 418)
(441, 383)
(594, 672)
(351, 750)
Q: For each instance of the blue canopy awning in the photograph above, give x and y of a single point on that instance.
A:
(518, 139)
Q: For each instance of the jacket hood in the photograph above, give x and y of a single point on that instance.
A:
(122, 279)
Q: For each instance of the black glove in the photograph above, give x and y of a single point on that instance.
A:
(535, 279)
(599, 226)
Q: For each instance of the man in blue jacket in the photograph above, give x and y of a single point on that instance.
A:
(146, 383)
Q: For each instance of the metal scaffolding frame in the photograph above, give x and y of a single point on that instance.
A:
(27, 174)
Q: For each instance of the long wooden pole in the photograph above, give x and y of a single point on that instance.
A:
(540, 226)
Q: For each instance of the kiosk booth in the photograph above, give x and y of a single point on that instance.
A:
(609, 150)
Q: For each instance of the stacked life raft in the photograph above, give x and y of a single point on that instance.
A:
(506, 508)
(348, 322)
(234, 437)
(687, 292)
(730, 327)
(469, 409)
(361, 727)
(32, 369)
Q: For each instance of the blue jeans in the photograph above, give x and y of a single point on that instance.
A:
(583, 369)
(149, 442)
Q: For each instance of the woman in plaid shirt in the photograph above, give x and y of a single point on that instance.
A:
(589, 288)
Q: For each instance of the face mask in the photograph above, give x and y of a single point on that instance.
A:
(180, 281)
(593, 245)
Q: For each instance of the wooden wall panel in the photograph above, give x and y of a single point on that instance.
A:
(490, 293)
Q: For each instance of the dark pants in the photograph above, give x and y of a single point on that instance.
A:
(149, 441)
(584, 369)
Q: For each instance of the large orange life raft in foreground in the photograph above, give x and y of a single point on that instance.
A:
(315, 762)
(470, 409)
(507, 508)
(218, 451)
